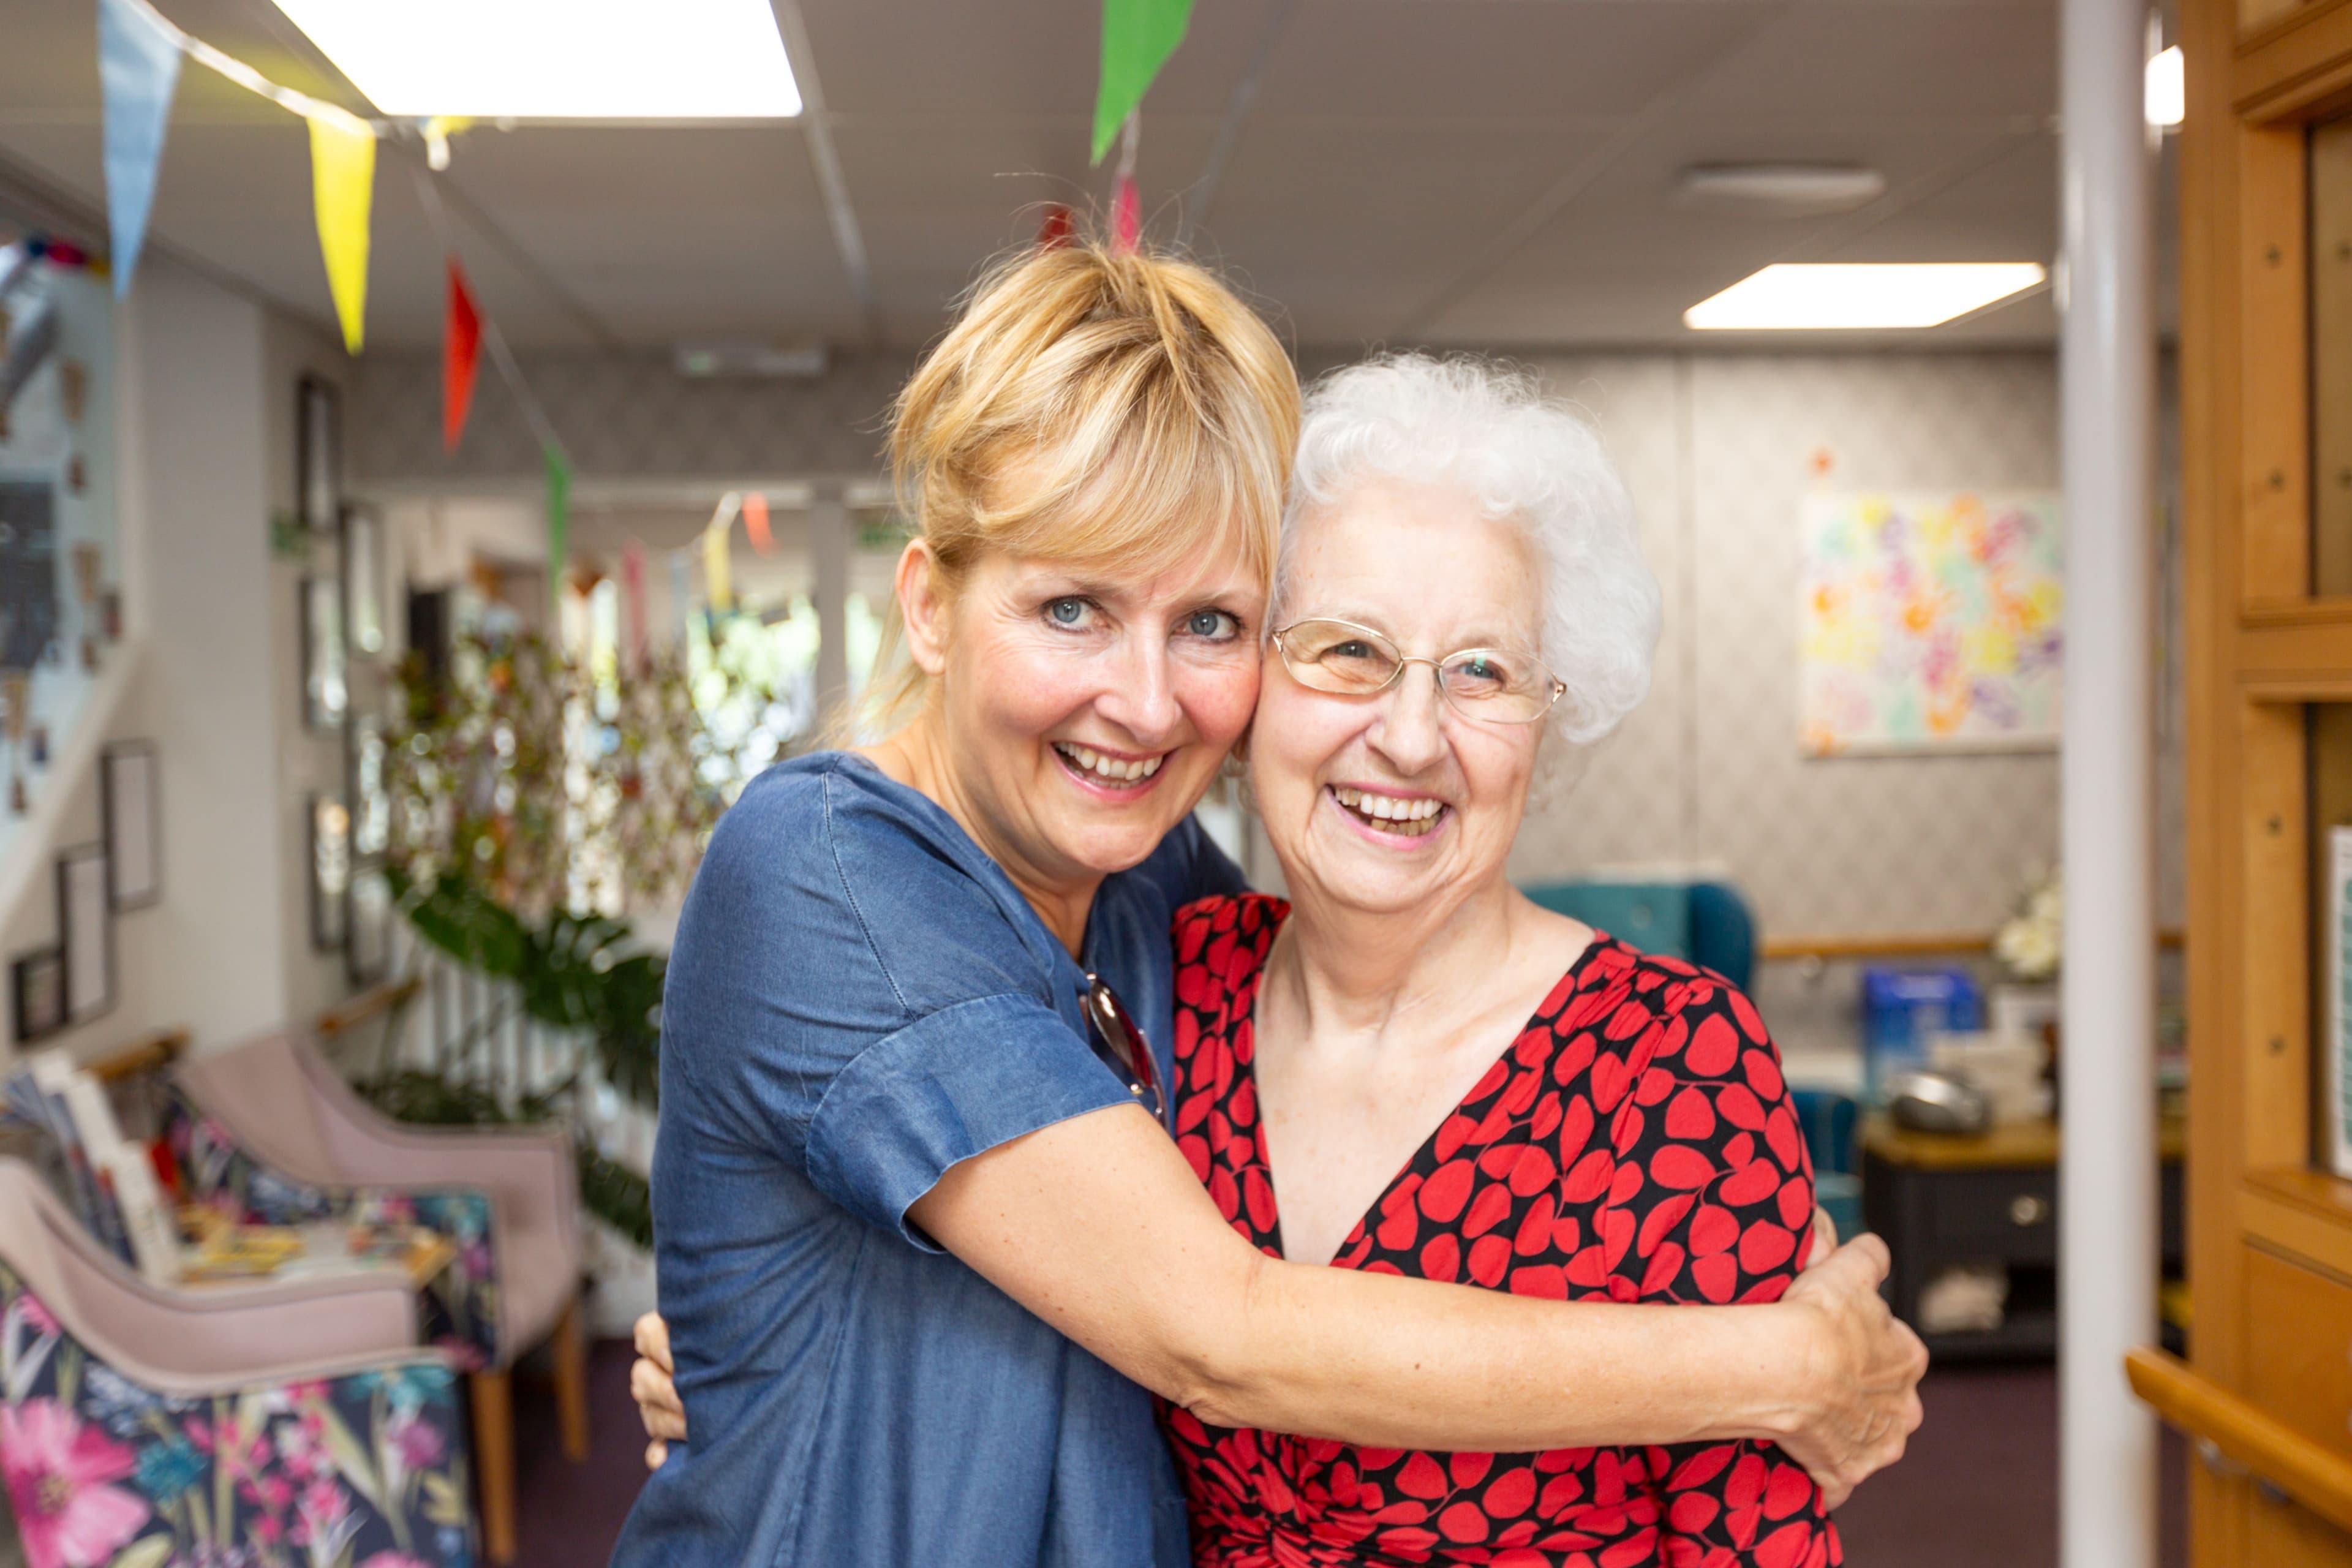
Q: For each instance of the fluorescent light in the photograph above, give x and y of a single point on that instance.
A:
(558, 60)
(1779, 190)
(1789, 297)
(2167, 88)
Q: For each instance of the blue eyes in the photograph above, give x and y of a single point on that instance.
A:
(1211, 624)
(1068, 612)
(1073, 613)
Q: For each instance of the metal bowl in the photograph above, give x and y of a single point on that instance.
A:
(1936, 1103)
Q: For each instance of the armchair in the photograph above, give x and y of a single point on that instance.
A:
(297, 1421)
(271, 1131)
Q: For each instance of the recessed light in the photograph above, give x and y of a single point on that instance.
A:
(558, 60)
(1790, 297)
(1779, 190)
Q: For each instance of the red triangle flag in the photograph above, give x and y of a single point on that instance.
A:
(461, 351)
(755, 523)
(1056, 230)
(1127, 218)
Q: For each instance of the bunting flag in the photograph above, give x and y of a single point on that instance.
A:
(681, 596)
(137, 71)
(1137, 37)
(342, 187)
(717, 586)
(1058, 230)
(633, 602)
(559, 519)
(755, 523)
(461, 353)
(1126, 219)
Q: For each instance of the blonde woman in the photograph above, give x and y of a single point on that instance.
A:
(924, 1240)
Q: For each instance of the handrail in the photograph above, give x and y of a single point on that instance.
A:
(149, 1053)
(376, 1000)
(2316, 1477)
(1913, 944)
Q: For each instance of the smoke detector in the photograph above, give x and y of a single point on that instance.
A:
(1778, 190)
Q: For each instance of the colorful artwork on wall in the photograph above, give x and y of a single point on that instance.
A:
(1931, 622)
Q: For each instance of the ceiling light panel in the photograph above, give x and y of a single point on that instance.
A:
(558, 60)
(1789, 297)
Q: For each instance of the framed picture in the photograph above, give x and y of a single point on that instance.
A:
(331, 872)
(326, 686)
(86, 932)
(37, 985)
(368, 955)
(371, 799)
(318, 454)
(363, 580)
(132, 809)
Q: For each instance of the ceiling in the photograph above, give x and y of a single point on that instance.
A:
(1472, 171)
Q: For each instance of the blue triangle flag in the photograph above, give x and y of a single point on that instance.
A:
(138, 70)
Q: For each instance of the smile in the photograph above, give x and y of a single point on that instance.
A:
(1099, 767)
(1408, 816)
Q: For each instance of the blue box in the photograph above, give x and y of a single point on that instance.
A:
(1903, 1008)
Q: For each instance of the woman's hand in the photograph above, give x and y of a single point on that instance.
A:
(656, 1395)
(1863, 1372)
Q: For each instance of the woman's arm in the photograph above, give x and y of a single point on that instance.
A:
(1099, 1227)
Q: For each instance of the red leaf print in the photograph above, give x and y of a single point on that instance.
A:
(1656, 1084)
(1464, 1521)
(1487, 1210)
(1191, 1112)
(1610, 1077)
(1758, 1182)
(1442, 1259)
(1403, 1541)
(1489, 1256)
(1714, 1230)
(1533, 1171)
(1566, 1234)
(1616, 1227)
(1764, 1074)
(1790, 1490)
(1260, 1198)
(1513, 1493)
(1442, 1196)
(1591, 1177)
(1716, 1276)
(1559, 1492)
(1532, 1046)
(1469, 1469)
(1637, 1547)
(1221, 1188)
(1765, 1246)
(1548, 1279)
(1701, 1468)
(1535, 1230)
(1787, 1140)
(1740, 1107)
(1693, 1511)
(1664, 1264)
(1785, 1547)
(1681, 1167)
(1625, 1127)
(1574, 1058)
(1628, 1021)
(1747, 1483)
(1489, 1083)
(1588, 1268)
(1714, 1048)
(1662, 1219)
(1421, 1477)
(1196, 1149)
(1400, 1230)
(1745, 1011)
(1796, 1202)
(1522, 1092)
(1454, 1134)
(1628, 1182)
(1691, 1116)
(1244, 1104)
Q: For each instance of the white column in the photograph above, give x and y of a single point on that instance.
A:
(829, 541)
(2107, 1175)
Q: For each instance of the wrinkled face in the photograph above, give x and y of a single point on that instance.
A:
(1084, 714)
(1385, 802)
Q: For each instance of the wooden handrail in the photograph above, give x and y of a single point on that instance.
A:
(369, 1004)
(1913, 944)
(149, 1053)
(2316, 1477)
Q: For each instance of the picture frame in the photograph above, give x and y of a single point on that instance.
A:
(369, 795)
(131, 809)
(367, 952)
(318, 454)
(330, 828)
(37, 989)
(85, 933)
(326, 673)
(362, 552)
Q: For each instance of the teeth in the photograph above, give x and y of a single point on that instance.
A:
(1410, 817)
(1110, 770)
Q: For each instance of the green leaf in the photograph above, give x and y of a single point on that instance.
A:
(470, 925)
(1137, 37)
(150, 1552)
(351, 1458)
(443, 1503)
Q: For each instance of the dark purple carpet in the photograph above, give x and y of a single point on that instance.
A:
(1979, 1486)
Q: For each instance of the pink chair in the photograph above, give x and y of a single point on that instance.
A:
(271, 1131)
(145, 1425)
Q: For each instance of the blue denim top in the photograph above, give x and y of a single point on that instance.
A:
(858, 999)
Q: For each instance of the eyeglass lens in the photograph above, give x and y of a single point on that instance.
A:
(1118, 1032)
(1350, 660)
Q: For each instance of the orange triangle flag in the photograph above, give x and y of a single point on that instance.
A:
(461, 352)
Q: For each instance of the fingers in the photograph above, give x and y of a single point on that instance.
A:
(653, 1341)
(1825, 1239)
(1866, 1247)
(655, 1452)
(657, 1403)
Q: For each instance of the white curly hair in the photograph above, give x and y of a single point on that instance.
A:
(1489, 429)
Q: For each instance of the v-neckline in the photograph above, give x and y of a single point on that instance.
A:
(1245, 1072)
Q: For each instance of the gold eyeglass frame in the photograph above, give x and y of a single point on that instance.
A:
(1436, 670)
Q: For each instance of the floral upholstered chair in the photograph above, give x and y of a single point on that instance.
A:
(281, 1425)
(269, 1131)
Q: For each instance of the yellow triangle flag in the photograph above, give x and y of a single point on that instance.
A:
(342, 189)
(715, 563)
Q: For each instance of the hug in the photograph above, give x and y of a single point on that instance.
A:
(1031, 1191)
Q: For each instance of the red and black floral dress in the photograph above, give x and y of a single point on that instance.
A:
(1633, 1144)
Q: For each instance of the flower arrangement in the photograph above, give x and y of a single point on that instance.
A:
(2032, 943)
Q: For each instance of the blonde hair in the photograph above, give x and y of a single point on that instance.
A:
(1125, 412)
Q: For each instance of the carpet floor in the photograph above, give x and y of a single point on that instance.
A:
(1978, 1487)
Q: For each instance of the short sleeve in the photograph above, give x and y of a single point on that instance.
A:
(947, 1087)
(856, 992)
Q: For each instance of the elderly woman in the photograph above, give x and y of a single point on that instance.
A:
(891, 1173)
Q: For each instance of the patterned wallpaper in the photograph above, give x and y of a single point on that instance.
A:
(1717, 451)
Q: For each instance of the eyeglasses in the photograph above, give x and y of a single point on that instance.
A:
(1118, 1031)
(1348, 661)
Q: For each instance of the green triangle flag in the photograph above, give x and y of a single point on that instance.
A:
(1137, 37)
(559, 520)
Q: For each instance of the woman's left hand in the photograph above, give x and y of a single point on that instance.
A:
(651, 1385)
